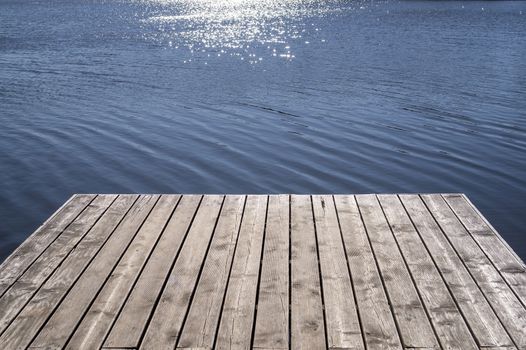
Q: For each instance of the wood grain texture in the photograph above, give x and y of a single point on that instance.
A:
(23, 256)
(27, 323)
(236, 321)
(414, 326)
(307, 319)
(452, 331)
(474, 208)
(96, 324)
(511, 268)
(201, 323)
(165, 326)
(19, 294)
(343, 326)
(505, 303)
(264, 272)
(272, 321)
(103, 272)
(479, 315)
(379, 328)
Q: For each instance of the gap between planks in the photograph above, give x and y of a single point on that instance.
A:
(238, 256)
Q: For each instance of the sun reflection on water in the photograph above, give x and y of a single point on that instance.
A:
(249, 30)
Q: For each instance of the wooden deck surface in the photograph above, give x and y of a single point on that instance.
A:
(264, 272)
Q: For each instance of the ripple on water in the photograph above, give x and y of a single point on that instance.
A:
(259, 96)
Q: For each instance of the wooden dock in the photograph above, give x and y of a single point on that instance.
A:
(264, 272)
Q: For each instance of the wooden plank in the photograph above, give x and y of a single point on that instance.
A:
(171, 309)
(203, 317)
(66, 317)
(504, 302)
(16, 297)
(307, 319)
(521, 261)
(235, 326)
(96, 324)
(448, 322)
(22, 330)
(23, 256)
(413, 324)
(272, 319)
(509, 266)
(343, 326)
(378, 325)
(483, 322)
(265, 272)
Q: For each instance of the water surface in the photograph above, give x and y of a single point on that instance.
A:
(261, 96)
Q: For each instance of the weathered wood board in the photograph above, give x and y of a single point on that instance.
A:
(264, 272)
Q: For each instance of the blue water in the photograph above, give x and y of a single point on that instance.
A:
(257, 96)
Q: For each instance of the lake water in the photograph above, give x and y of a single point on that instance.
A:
(261, 96)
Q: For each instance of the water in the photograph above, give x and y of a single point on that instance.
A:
(261, 96)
